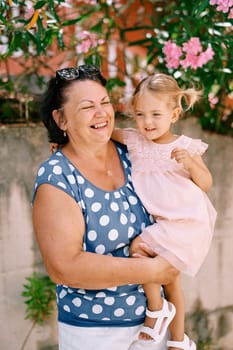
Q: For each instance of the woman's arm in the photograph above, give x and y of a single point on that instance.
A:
(199, 172)
(59, 227)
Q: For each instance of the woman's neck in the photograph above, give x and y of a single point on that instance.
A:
(91, 152)
(100, 165)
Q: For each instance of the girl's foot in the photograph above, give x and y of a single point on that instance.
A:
(157, 322)
(186, 344)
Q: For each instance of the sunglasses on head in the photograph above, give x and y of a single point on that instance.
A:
(85, 70)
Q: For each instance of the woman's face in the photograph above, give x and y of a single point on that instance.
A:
(88, 113)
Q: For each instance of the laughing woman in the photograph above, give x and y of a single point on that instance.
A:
(86, 213)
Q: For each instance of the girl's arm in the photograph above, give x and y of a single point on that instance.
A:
(117, 135)
(199, 172)
(59, 231)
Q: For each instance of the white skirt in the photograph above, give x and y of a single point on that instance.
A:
(103, 338)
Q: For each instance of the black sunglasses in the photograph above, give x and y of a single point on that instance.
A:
(85, 70)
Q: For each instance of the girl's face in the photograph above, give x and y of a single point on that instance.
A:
(154, 116)
(87, 115)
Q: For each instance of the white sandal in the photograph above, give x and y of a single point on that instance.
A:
(164, 318)
(186, 344)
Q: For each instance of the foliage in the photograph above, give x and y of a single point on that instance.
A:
(206, 333)
(197, 19)
(200, 327)
(39, 294)
(43, 35)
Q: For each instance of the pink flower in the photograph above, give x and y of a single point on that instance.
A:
(172, 54)
(87, 42)
(230, 16)
(206, 56)
(193, 46)
(190, 60)
(194, 56)
(90, 2)
(213, 100)
(197, 61)
(101, 41)
(223, 6)
(117, 4)
(29, 13)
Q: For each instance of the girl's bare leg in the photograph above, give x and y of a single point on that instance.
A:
(174, 293)
(154, 303)
(152, 291)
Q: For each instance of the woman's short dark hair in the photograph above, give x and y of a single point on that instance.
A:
(54, 96)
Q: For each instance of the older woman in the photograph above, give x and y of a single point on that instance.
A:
(86, 213)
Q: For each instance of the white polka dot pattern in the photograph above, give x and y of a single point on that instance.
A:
(113, 219)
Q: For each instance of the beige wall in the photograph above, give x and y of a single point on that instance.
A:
(21, 151)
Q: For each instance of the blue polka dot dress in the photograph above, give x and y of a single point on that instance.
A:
(113, 219)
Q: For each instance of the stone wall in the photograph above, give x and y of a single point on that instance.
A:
(22, 149)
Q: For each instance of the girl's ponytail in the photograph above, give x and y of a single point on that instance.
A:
(190, 96)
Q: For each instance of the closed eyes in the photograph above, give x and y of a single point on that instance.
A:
(92, 106)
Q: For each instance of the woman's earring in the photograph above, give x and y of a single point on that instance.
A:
(64, 133)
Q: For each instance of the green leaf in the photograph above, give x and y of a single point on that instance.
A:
(40, 27)
(98, 27)
(70, 22)
(39, 4)
(199, 7)
(139, 42)
(135, 28)
(82, 17)
(51, 7)
(60, 40)
(40, 296)
(31, 37)
(113, 82)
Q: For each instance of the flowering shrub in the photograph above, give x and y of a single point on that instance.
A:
(87, 41)
(191, 40)
(225, 6)
(194, 43)
(194, 58)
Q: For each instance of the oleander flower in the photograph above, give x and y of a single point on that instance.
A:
(225, 6)
(192, 54)
(172, 54)
(213, 100)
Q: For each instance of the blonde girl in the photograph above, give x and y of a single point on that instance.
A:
(171, 179)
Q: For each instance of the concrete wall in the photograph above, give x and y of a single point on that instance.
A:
(213, 285)
(21, 151)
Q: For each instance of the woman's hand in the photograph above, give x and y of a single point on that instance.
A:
(164, 271)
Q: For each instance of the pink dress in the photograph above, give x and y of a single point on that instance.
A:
(185, 217)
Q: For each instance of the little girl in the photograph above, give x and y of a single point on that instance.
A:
(171, 179)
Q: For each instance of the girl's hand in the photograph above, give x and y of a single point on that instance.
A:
(139, 249)
(53, 147)
(182, 156)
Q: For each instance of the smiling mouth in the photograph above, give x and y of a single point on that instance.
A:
(150, 129)
(99, 125)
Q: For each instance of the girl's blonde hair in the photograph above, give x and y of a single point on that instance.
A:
(165, 84)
